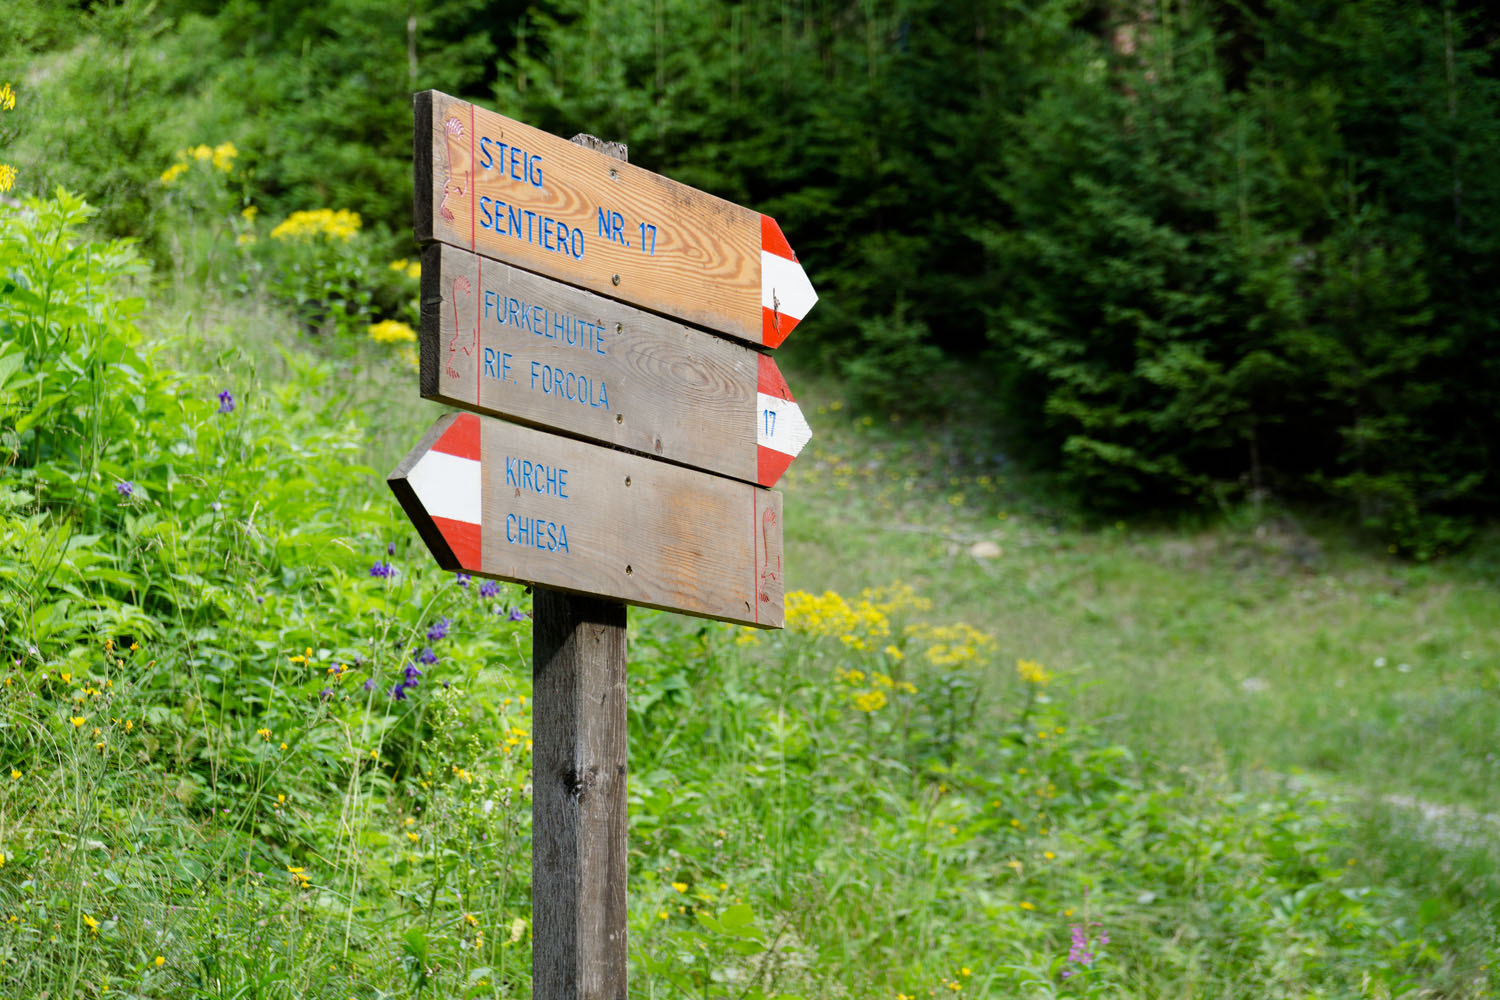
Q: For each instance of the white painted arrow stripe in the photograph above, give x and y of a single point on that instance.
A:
(779, 425)
(448, 486)
(784, 286)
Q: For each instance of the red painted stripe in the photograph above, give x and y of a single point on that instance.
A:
(770, 380)
(755, 547)
(464, 539)
(461, 439)
(772, 239)
(478, 291)
(775, 326)
(770, 464)
(473, 183)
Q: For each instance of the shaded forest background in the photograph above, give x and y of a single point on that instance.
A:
(1191, 253)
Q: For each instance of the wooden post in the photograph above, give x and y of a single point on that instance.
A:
(578, 805)
(578, 856)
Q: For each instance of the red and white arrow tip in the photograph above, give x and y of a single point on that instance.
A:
(786, 295)
(446, 483)
(780, 428)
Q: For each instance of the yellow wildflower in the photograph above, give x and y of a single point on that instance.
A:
(173, 172)
(391, 331)
(200, 152)
(680, 886)
(399, 265)
(14, 774)
(245, 239)
(67, 678)
(7, 176)
(870, 701)
(77, 720)
(471, 920)
(1027, 906)
(7, 97)
(93, 924)
(413, 836)
(305, 657)
(325, 222)
(263, 733)
(223, 156)
(129, 725)
(1032, 672)
(160, 961)
(249, 212)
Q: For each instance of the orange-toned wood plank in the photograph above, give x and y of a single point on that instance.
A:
(500, 188)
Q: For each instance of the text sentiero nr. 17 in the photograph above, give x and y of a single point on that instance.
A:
(506, 218)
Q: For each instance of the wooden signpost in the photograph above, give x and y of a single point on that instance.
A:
(502, 341)
(512, 502)
(510, 192)
(632, 465)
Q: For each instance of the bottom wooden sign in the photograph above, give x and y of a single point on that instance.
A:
(501, 500)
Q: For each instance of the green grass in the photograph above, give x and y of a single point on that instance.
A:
(1217, 774)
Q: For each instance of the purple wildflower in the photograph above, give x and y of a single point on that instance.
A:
(399, 692)
(426, 656)
(382, 569)
(462, 579)
(489, 588)
(125, 488)
(517, 615)
(390, 548)
(370, 684)
(439, 630)
(412, 673)
(325, 694)
(226, 402)
(1079, 953)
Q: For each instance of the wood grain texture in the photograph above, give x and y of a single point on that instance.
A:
(636, 529)
(704, 266)
(499, 340)
(579, 827)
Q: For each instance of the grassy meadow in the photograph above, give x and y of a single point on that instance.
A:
(256, 745)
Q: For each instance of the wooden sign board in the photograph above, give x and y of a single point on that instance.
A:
(500, 188)
(501, 500)
(506, 342)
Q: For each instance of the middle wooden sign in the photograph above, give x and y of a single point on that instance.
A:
(502, 341)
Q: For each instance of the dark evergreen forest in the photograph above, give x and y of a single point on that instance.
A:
(1192, 253)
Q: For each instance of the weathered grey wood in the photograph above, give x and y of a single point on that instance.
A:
(587, 519)
(579, 859)
(496, 339)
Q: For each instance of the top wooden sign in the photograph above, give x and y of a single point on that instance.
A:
(503, 189)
